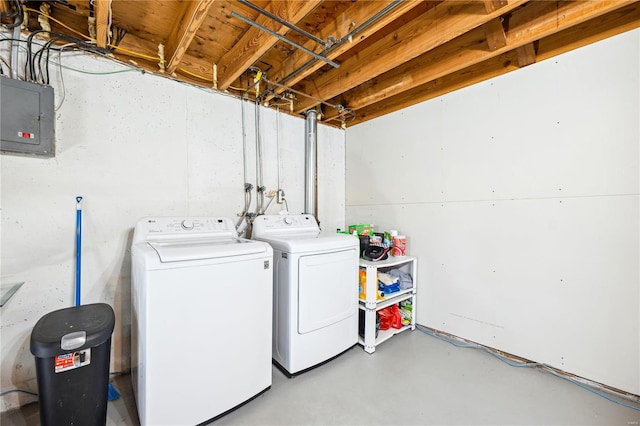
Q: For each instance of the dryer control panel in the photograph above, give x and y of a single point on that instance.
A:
(149, 227)
(291, 224)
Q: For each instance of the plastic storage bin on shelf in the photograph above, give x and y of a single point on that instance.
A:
(72, 348)
(371, 303)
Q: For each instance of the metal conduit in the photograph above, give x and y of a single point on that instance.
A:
(14, 51)
(283, 22)
(259, 187)
(286, 40)
(311, 138)
(344, 39)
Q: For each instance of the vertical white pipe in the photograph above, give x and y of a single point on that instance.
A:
(259, 182)
(311, 139)
(14, 51)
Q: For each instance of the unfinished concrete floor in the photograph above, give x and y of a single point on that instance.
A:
(412, 379)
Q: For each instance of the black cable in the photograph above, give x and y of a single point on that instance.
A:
(17, 13)
(38, 61)
(44, 73)
(29, 69)
(34, 69)
(30, 64)
(12, 39)
(14, 13)
(44, 70)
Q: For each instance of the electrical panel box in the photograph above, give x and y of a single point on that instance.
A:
(26, 118)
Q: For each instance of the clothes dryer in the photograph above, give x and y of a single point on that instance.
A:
(315, 300)
(200, 319)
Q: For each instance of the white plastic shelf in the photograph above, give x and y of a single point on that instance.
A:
(371, 305)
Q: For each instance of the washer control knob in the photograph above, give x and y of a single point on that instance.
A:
(187, 224)
(288, 220)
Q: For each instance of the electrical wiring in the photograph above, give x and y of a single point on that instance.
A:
(195, 75)
(13, 14)
(200, 77)
(32, 59)
(57, 22)
(5, 62)
(17, 390)
(339, 108)
(236, 89)
(115, 47)
(68, 67)
(17, 13)
(119, 36)
(64, 90)
(97, 72)
(133, 53)
(36, 64)
(511, 363)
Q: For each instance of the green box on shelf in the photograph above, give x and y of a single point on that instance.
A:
(361, 229)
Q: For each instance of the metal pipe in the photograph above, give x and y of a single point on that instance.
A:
(14, 50)
(310, 162)
(287, 88)
(283, 22)
(259, 187)
(286, 40)
(388, 8)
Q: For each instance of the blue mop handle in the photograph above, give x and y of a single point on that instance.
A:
(78, 246)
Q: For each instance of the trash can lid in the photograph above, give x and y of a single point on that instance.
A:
(74, 328)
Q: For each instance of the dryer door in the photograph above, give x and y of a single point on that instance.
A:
(327, 289)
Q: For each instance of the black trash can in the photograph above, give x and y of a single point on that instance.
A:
(72, 348)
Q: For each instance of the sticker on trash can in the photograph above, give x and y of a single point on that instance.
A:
(72, 360)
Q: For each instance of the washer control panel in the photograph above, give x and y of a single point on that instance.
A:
(184, 226)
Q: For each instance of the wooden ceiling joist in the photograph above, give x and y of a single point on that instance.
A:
(358, 13)
(392, 53)
(615, 22)
(526, 55)
(495, 35)
(184, 31)
(102, 22)
(439, 25)
(493, 5)
(528, 24)
(256, 42)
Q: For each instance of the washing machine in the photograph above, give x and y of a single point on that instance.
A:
(315, 299)
(200, 319)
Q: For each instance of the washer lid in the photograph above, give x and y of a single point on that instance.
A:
(204, 248)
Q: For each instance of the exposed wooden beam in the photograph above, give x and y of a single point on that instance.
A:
(184, 30)
(614, 23)
(602, 26)
(494, 33)
(256, 42)
(132, 43)
(526, 55)
(493, 5)
(475, 74)
(101, 8)
(439, 25)
(358, 13)
(534, 21)
(4, 6)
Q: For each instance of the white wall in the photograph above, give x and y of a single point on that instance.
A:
(520, 197)
(133, 145)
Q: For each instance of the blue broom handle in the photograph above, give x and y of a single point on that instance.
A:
(78, 247)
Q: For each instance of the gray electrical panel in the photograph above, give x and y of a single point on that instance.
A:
(26, 118)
